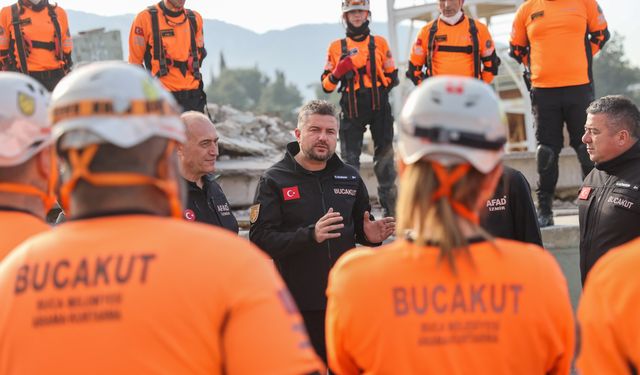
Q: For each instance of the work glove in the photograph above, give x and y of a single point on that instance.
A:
(345, 65)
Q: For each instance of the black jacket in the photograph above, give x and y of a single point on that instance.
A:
(609, 207)
(510, 213)
(291, 201)
(209, 205)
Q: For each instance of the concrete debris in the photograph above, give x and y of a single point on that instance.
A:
(245, 134)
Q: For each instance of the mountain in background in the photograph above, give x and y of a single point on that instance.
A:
(299, 51)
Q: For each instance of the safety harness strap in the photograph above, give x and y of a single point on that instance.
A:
(17, 32)
(347, 81)
(472, 49)
(375, 92)
(158, 51)
(57, 33)
(195, 64)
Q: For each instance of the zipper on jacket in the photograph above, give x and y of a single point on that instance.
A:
(324, 210)
(594, 217)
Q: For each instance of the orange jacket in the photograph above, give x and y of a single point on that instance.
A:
(176, 40)
(36, 26)
(554, 33)
(140, 294)
(385, 66)
(608, 314)
(16, 227)
(454, 63)
(400, 310)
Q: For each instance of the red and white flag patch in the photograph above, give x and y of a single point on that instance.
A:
(290, 193)
(584, 193)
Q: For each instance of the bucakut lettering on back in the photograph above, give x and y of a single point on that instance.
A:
(84, 272)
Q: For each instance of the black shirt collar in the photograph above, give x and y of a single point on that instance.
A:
(612, 165)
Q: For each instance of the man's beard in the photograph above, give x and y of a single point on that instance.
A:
(311, 153)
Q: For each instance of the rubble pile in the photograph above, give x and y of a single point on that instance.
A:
(245, 134)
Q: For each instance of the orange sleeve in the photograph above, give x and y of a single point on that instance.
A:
(597, 25)
(388, 64)
(139, 36)
(5, 25)
(519, 39)
(419, 48)
(487, 53)
(333, 55)
(67, 42)
(340, 361)
(265, 333)
(598, 353)
(200, 32)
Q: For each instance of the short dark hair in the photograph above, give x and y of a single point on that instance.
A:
(621, 111)
(315, 107)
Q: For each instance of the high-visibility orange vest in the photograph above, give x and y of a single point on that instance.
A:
(400, 309)
(141, 294)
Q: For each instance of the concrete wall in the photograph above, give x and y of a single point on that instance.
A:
(97, 45)
(563, 242)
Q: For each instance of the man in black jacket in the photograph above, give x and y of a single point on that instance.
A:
(510, 213)
(609, 200)
(206, 201)
(309, 209)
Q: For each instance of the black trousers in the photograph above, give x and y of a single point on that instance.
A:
(552, 108)
(48, 78)
(314, 321)
(381, 126)
(191, 100)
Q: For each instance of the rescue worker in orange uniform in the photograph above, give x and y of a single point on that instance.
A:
(445, 298)
(453, 44)
(27, 165)
(167, 39)
(608, 314)
(123, 287)
(556, 41)
(35, 40)
(363, 66)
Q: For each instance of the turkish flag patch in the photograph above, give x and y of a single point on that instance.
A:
(189, 215)
(584, 193)
(138, 30)
(290, 193)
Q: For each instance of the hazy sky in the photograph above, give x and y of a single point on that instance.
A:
(261, 15)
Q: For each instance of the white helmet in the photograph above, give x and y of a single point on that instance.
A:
(349, 5)
(120, 104)
(24, 127)
(453, 120)
(112, 102)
